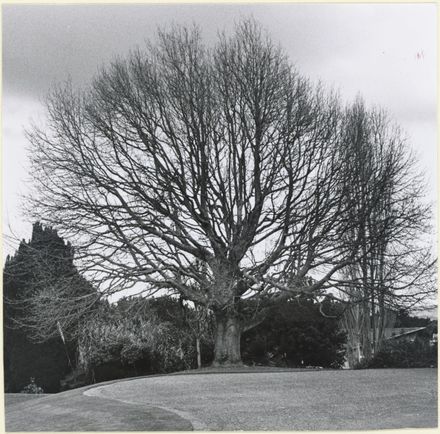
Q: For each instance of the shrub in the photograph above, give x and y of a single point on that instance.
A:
(404, 354)
(139, 337)
(32, 387)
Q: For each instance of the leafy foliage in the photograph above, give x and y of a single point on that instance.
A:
(296, 334)
(404, 354)
(138, 336)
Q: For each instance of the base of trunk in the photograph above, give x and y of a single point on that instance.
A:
(227, 364)
(227, 341)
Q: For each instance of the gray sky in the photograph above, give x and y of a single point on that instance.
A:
(385, 52)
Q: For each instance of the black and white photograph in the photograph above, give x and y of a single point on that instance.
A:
(219, 216)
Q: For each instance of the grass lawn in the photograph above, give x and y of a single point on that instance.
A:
(238, 400)
(17, 398)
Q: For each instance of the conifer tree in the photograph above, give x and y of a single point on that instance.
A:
(43, 262)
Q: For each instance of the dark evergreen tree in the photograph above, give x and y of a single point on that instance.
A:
(30, 351)
(298, 333)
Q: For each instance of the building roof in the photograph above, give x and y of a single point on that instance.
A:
(393, 333)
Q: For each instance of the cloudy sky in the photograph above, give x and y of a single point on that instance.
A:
(385, 52)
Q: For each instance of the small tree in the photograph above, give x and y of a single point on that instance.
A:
(198, 321)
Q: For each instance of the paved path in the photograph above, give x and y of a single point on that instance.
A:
(74, 411)
(320, 400)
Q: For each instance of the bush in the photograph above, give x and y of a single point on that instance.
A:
(32, 387)
(404, 354)
(139, 337)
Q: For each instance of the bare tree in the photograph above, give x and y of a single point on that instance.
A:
(395, 267)
(184, 155)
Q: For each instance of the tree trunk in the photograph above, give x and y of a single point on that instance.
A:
(199, 355)
(366, 330)
(227, 340)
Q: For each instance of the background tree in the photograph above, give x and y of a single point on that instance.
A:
(396, 268)
(44, 261)
(183, 155)
(199, 322)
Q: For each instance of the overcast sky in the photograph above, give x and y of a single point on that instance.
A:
(385, 52)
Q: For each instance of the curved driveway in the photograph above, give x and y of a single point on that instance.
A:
(288, 400)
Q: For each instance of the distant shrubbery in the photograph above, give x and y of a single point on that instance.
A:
(296, 334)
(140, 337)
(402, 354)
